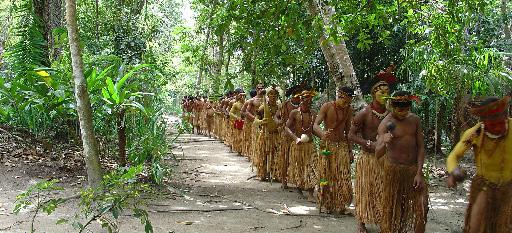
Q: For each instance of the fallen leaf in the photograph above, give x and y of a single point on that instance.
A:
(185, 222)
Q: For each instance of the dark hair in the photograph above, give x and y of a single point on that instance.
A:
(347, 90)
(404, 103)
(401, 93)
(252, 93)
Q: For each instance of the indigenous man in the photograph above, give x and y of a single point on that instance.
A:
(303, 159)
(336, 153)
(209, 112)
(197, 114)
(187, 110)
(404, 192)
(247, 129)
(236, 121)
(490, 198)
(250, 114)
(224, 106)
(268, 138)
(368, 169)
(282, 116)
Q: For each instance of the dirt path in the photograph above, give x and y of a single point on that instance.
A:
(213, 192)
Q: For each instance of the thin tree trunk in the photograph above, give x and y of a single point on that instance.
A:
(506, 28)
(97, 21)
(336, 54)
(202, 59)
(51, 15)
(506, 21)
(121, 138)
(83, 104)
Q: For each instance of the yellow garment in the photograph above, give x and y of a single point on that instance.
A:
(235, 113)
(493, 157)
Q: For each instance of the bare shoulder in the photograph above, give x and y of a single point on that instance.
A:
(362, 113)
(415, 118)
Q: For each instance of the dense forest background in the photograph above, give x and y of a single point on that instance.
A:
(142, 56)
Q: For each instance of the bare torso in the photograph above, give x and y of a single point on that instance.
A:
(336, 121)
(403, 148)
(301, 123)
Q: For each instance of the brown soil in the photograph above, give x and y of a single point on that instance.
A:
(211, 191)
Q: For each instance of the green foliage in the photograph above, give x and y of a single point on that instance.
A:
(148, 143)
(120, 190)
(38, 196)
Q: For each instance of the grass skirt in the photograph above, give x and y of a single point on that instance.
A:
(284, 158)
(247, 138)
(254, 145)
(303, 165)
(404, 207)
(497, 217)
(266, 154)
(368, 188)
(237, 138)
(335, 181)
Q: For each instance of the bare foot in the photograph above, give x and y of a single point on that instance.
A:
(299, 190)
(362, 228)
(311, 196)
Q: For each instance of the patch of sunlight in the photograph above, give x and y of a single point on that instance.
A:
(301, 209)
(317, 227)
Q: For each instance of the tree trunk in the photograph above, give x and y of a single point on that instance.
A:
(121, 138)
(506, 29)
(506, 21)
(83, 104)
(51, 14)
(440, 121)
(336, 54)
(202, 59)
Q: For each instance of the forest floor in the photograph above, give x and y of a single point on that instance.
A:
(212, 191)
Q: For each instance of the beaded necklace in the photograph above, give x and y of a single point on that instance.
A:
(380, 116)
(302, 122)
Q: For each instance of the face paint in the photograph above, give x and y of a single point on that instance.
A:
(497, 126)
(259, 88)
(272, 97)
(343, 100)
(305, 104)
(401, 113)
(381, 94)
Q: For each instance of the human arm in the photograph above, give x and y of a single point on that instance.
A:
(290, 123)
(249, 109)
(244, 108)
(354, 135)
(348, 122)
(419, 182)
(318, 120)
(457, 153)
(383, 137)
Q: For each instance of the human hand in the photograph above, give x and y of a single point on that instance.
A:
(298, 141)
(419, 182)
(327, 134)
(450, 181)
(387, 137)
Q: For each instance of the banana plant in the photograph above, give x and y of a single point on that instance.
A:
(120, 99)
